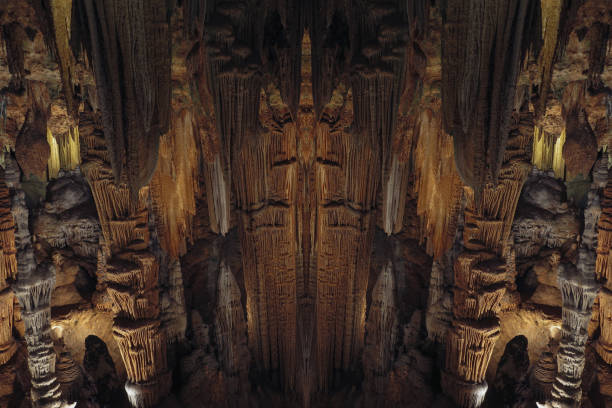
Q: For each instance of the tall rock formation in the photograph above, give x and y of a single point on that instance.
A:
(33, 288)
(579, 288)
(481, 273)
(129, 270)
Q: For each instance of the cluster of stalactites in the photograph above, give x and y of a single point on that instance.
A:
(64, 152)
(129, 46)
(477, 105)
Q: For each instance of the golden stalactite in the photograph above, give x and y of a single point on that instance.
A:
(174, 185)
(547, 152)
(438, 184)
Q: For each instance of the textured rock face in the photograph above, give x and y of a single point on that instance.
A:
(305, 203)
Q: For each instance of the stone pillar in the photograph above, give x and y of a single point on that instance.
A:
(33, 289)
(578, 290)
(481, 272)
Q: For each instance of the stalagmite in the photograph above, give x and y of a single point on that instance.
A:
(35, 282)
(578, 290)
(543, 376)
(381, 331)
(129, 272)
(231, 329)
(481, 274)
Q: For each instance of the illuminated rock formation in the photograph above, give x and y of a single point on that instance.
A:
(481, 274)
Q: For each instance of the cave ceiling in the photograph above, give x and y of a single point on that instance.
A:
(305, 203)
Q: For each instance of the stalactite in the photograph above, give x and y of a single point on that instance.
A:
(346, 184)
(548, 152)
(128, 44)
(477, 103)
(438, 185)
(7, 342)
(31, 148)
(8, 260)
(175, 184)
(329, 33)
(61, 14)
(603, 266)
(580, 147)
(551, 14)
(13, 36)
